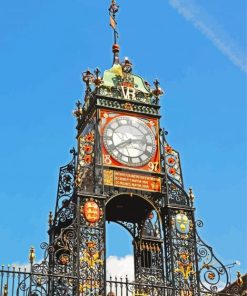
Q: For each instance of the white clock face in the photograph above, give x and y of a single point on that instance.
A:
(129, 141)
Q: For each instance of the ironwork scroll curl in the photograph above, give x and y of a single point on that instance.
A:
(176, 193)
(66, 182)
(213, 275)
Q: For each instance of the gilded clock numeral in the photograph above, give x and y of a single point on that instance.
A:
(153, 166)
(107, 159)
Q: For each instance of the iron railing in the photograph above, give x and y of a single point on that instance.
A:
(15, 281)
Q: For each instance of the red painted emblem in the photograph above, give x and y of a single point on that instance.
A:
(91, 211)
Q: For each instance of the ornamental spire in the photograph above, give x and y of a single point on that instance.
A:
(113, 9)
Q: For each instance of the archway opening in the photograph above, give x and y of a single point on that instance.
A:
(125, 214)
(119, 252)
(128, 208)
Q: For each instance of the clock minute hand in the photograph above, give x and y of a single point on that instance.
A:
(134, 147)
(136, 141)
(124, 143)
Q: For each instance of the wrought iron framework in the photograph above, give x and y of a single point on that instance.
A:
(170, 256)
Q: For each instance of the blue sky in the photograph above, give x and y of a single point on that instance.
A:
(197, 49)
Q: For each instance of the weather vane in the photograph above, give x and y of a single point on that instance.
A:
(113, 9)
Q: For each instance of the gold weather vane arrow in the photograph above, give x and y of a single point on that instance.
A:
(113, 9)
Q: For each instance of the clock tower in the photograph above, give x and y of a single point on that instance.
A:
(124, 171)
(120, 170)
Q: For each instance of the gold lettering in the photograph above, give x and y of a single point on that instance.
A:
(128, 93)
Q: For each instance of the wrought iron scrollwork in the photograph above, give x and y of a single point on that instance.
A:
(149, 265)
(91, 246)
(45, 277)
(176, 193)
(66, 182)
(151, 226)
(213, 274)
(132, 228)
(179, 235)
(65, 215)
(154, 199)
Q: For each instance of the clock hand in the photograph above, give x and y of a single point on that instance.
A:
(124, 143)
(136, 141)
(119, 135)
(134, 147)
(140, 136)
(127, 151)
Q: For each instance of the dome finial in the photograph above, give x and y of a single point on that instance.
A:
(113, 9)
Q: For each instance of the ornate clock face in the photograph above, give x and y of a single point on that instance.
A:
(129, 141)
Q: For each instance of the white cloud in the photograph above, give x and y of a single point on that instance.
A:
(115, 267)
(20, 266)
(120, 267)
(209, 28)
(23, 267)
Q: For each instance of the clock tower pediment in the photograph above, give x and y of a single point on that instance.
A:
(114, 77)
